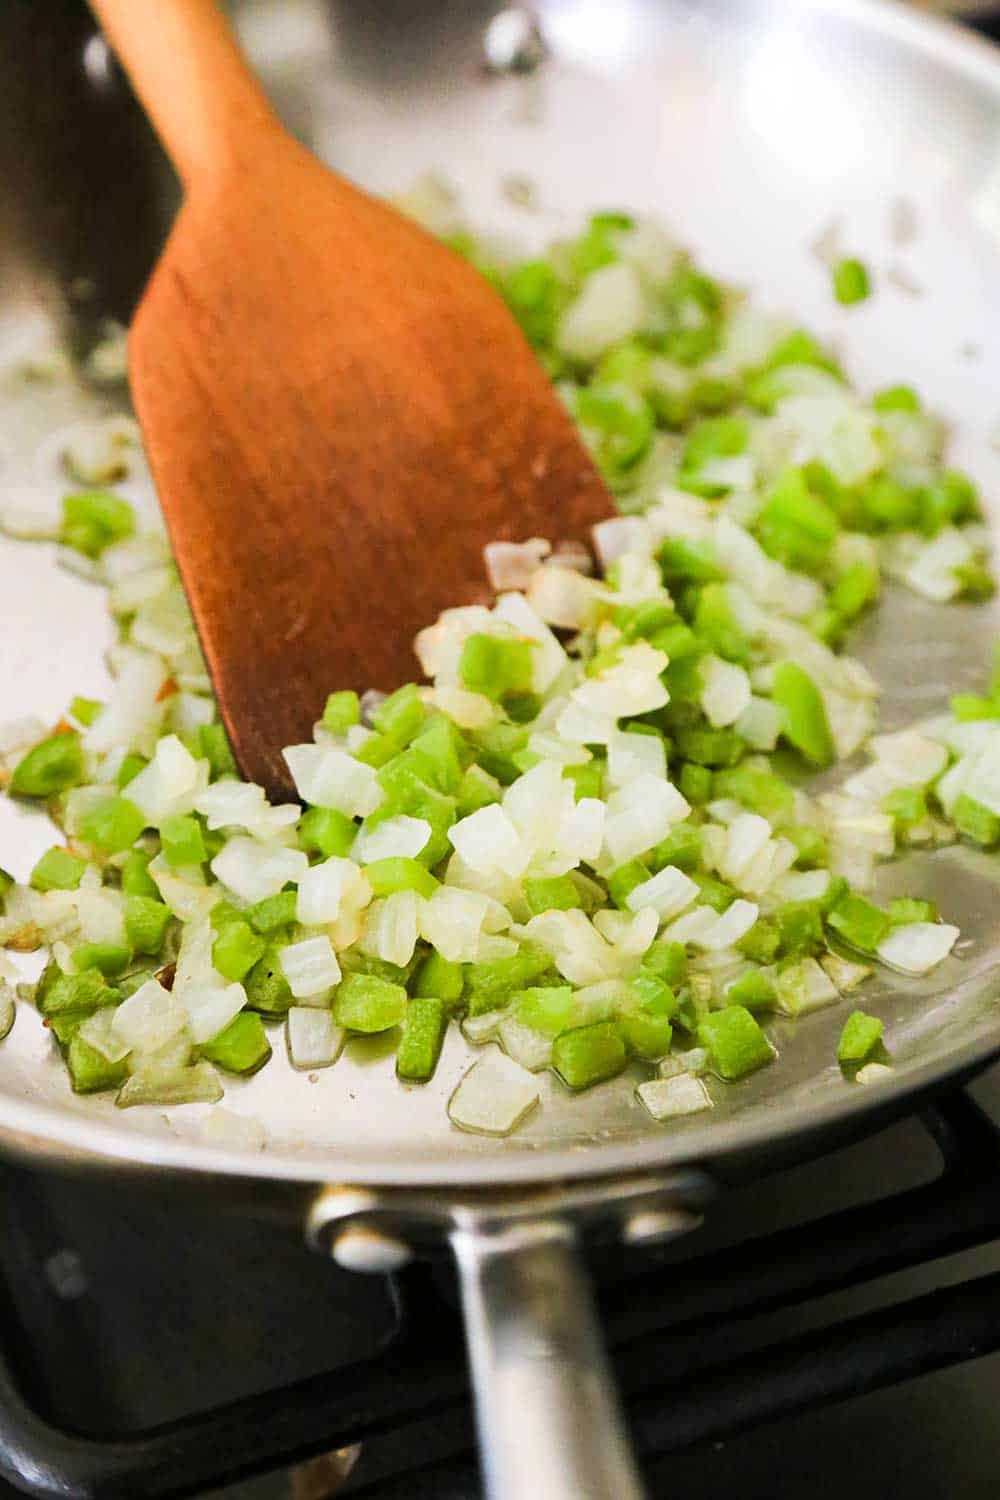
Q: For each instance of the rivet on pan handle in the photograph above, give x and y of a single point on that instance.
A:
(547, 1412)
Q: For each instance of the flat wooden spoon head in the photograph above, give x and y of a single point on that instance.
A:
(340, 413)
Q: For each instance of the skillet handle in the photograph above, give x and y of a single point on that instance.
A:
(548, 1416)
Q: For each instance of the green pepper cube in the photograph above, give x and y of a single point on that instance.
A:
(442, 753)
(753, 990)
(326, 831)
(800, 926)
(491, 984)
(183, 841)
(618, 423)
(398, 873)
(897, 398)
(59, 994)
(553, 893)
(136, 879)
(85, 710)
(907, 806)
(93, 519)
(709, 747)
(588, 780)
(689, 562)
(589, 1055)
(906, 909)
(623, 881)
(476, 789)
(146, 923)
(423, 1035)
(222, 913)
(653, 993)
(546, 1009)
(668, 961)
(111, 959)
(129, 770)
(855, 589)
(342, 711)
(236, 950)
(437, 978)
(968, 707)
(859, 922)
(401, 715)
(646, 1036)
(365, 1003)
(7, 883)
(716, 624)
(377, 750)
(681, 848)
(735, 1042)
(273, 913)
(762, 942)
(805, 723)
(52, 766)
(242, 1047)
(266, 986)
(695, 784)
(795, 526)
(494, 666)
(976, 822)
(213, 743)
(89, 1071)
(861, 1035)
(113, 825)
(851, 282)
(57, 870)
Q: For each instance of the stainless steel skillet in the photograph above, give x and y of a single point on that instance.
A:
(750, 126)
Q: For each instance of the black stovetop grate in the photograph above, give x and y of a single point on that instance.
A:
(121, 1312)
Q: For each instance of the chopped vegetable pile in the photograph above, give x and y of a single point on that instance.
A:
(585, 839)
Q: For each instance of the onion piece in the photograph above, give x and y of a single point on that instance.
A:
(873, 1073)
(494, 1096)
(310, 967)
(313, 1037)
(196, 1084)
(917, 947)
(526, 1046)
(671, 1098)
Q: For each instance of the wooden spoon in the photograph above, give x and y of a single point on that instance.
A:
(339, 412)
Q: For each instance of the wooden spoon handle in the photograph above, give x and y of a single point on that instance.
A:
(193, 80)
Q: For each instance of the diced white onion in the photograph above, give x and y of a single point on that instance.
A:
(527, 1047)
(509, 565)
(451, 921)
(327, 777)
(313, 1037)
(392, 927)
(494, 1096)
(725, 692)
(149, 1018)
(253, 870)
(487, 840)
(669, 892)
(917, 947)
(238, 804)
(670, 1098)
(401, 837)
(170, 785)
(873, 1073)
(210, 1009)
(310, 966)
(321, 891)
